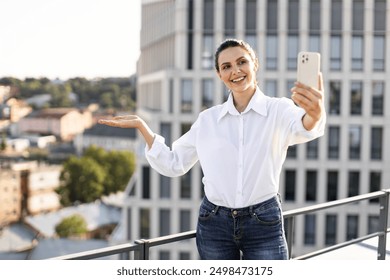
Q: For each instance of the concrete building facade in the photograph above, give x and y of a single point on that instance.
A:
(176, 81)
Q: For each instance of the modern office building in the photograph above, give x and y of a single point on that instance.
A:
(176, 81)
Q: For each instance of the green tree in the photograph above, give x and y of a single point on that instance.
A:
(120, 166)
(81, 180)
(74, 225)
(96, 173)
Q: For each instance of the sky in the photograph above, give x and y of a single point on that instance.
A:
(69, 38)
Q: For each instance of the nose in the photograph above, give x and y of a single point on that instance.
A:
(236, 69)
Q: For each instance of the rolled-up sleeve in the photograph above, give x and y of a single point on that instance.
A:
(296, 133)
(176, 161)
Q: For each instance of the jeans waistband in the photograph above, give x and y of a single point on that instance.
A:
(275, 200)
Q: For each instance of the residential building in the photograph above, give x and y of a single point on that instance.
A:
(64, 123)
(176, 81)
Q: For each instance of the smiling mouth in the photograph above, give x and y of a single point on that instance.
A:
(238, 79)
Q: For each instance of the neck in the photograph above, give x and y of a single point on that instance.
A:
(242, 99)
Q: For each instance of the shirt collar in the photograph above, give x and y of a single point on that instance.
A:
(258, 103)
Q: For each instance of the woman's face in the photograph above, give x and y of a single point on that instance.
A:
(237, 70)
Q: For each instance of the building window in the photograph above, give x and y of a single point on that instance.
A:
(250, 23)
(358, 16)
(272, 16)
(375, 184)
(165, 222)
(357, 47)
(190, 35)
(184, 256)
(312, 149)
(271, 88)
(145, 223)
(311, 185)
(207, 52)
(335, 52)
(230, 18)
(207, 93)
(355, 139)
(292, 152)
(166, 132)
(208, 15)
(315, 16)
(380, 15)
(334, 97)
(289, 185)
(353, 183)
(378, 89)
(165, 187)
(129, 219)
(185, 185)
(376, 143)
(185, 127)
(336, 16)
(333, 142)
(186, 96)
(332, 188)
(335, 39)
(373, 224)
(145, 182)
(357, 53)
(310, 229)
(272, 52)
(315, 43)
(379, 53)
(293, 16)
(331, 229)
(164, 255)
(185, 220)
(356, 98)
(292, 50)
(352, 227)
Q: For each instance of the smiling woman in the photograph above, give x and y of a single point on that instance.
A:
(69, 38)
(241, 146)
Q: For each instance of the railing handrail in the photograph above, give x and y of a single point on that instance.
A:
(141, 247)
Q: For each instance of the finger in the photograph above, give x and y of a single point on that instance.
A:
(307, 91)
(320, 82)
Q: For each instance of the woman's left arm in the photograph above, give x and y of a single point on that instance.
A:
(311, 100)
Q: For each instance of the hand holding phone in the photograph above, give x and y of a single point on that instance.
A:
(309, 68)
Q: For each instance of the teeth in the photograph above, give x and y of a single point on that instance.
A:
(237, 80)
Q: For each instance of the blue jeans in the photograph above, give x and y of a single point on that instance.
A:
(251, 233)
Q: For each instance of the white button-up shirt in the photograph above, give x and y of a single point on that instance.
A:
(241, 155)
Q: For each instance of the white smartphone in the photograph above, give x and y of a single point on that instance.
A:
(308, 68)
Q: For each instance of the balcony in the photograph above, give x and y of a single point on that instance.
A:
(139, 249)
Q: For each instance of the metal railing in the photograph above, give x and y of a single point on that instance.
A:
(141, 248)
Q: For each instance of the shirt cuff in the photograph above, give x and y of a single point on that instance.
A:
(157, 146)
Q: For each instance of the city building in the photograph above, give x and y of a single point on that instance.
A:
(176, 81)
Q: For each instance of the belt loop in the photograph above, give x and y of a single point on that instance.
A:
(215, 210)
(251, 210)
(279, 197)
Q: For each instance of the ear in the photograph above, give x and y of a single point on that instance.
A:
(256, 65)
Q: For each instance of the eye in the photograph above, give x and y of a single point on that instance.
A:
(225, 66)
(242, 61)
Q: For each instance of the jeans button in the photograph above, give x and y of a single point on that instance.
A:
(235, 212)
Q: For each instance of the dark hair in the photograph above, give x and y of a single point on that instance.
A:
(230, 43)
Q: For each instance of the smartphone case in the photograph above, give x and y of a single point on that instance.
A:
(308, 68)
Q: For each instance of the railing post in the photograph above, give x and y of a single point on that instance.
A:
(139, 254)
(290, 234)
(383, 218)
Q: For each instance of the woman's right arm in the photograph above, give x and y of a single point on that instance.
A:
(167, 162)
(132, 121)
